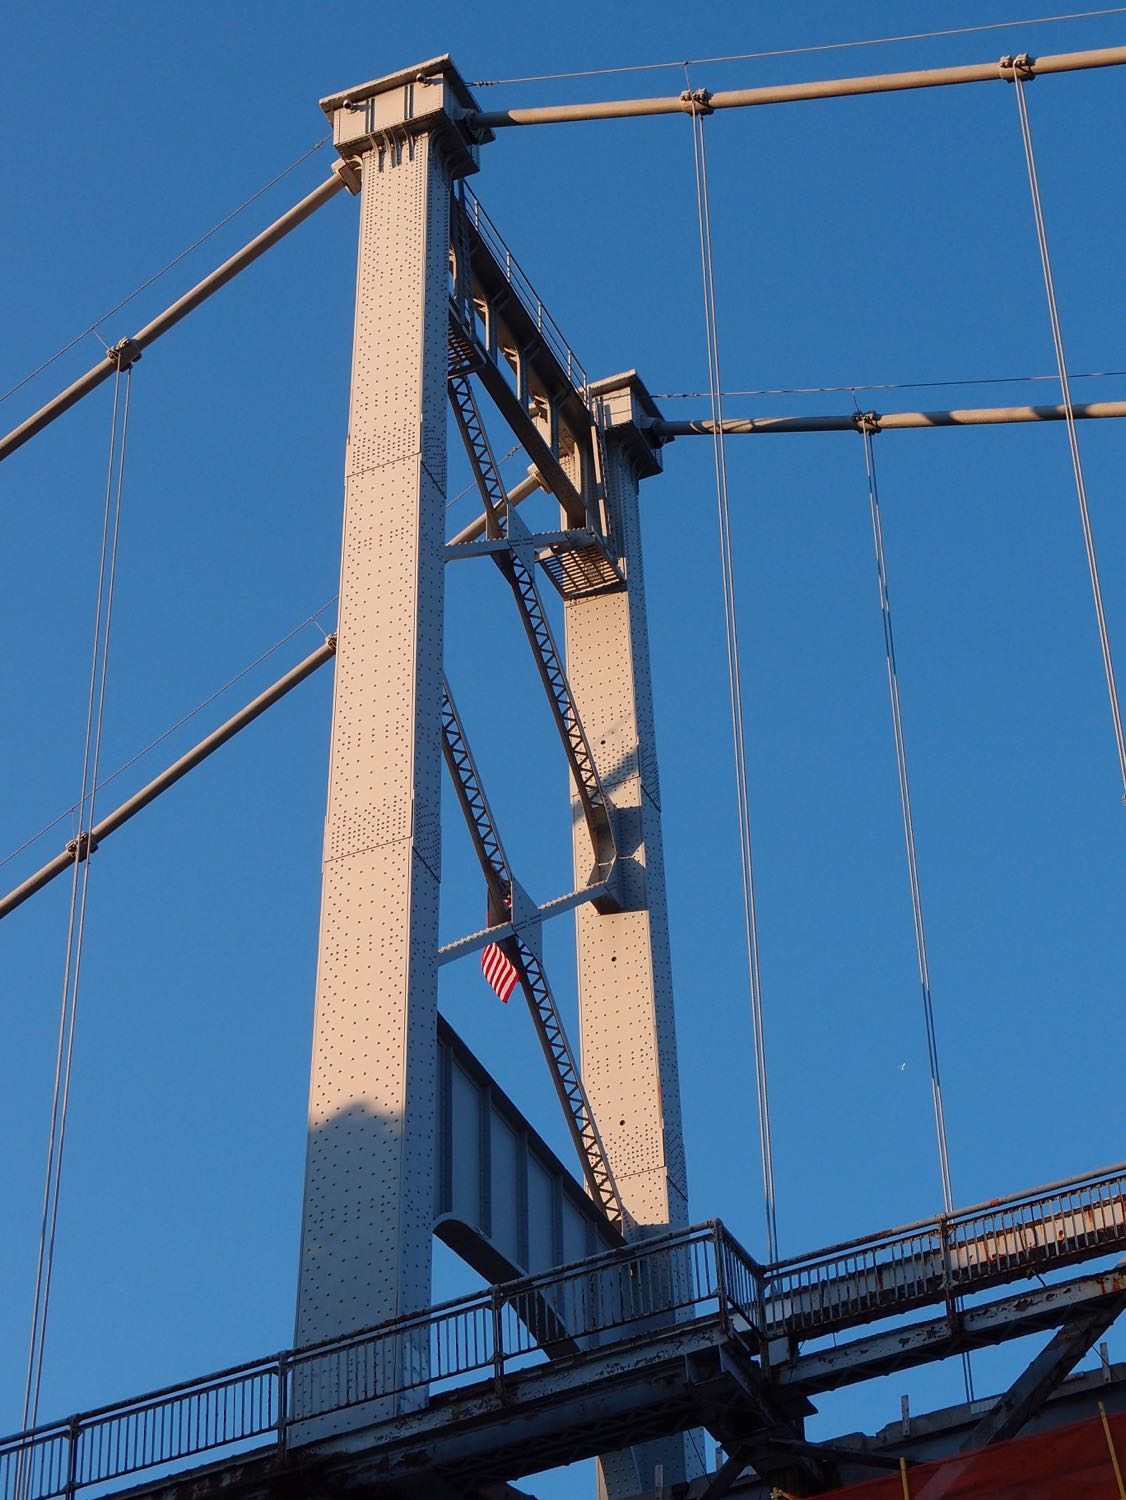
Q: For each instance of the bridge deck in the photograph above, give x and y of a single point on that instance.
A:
(939, 1259)
(670, 1326)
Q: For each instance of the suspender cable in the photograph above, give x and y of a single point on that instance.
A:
(734, 676)
(909, 839)
(79, 890)
(908, 821)
(1072, 437)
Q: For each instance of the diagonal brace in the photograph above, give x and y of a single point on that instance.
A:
(568, 1081)
(1085, 1326)
(533, 980)
(475, 807)
(502, 523)
(726, 1475)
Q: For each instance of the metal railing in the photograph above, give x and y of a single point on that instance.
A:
(526, 293)
(939, 1259)
(641, 1293)
(597, 1303)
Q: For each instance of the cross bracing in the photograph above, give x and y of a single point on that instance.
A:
(504, 897)
(505, 524)
(545, 398)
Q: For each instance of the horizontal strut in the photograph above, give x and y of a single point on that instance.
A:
(515, 497)
(129, 350)
(703, 102)
(86, 842)
(892, 421)
(473, 942)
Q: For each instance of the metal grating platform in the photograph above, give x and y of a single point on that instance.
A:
(580, 567)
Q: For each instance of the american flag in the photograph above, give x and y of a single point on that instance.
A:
(499, 970)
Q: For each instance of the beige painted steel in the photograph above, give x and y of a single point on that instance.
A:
(369, 1187)
(627, 1026)
(791, 93)
(890, 421)
(625, 980)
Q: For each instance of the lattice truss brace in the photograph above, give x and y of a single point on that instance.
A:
(505, 901)
(514, 922)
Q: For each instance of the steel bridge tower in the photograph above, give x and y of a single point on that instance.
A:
(611, 1328)
(373, 1167)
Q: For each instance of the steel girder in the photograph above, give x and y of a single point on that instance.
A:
(934, 1339)
(505, 1202)
(1083, 1328)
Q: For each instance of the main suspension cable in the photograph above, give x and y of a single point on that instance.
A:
(92, 328)
(870, 41)
(185, 718)
(310, 619)
(1069, 412)
(882, 385)
(734, 676)
(80, 881)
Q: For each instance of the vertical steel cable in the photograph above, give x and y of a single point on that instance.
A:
(908, 821)
(734, 675)
(909, 841)
(1069, 410)
(76, 919)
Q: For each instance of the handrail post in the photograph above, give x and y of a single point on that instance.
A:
(760, 1313)
(498, 1341)
(74, 1430)
(720, 1278)
(947, 1268)
(283, 1401)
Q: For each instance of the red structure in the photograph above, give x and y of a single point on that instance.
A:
(1085, 1459)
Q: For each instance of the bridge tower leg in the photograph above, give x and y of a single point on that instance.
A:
(369, 1182)
(627, 1029)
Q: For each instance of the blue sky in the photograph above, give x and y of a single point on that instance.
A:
(857, 241)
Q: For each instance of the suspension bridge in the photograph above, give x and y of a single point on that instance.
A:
(617, 1324)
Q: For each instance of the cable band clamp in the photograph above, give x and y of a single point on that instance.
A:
(1022, 66)
(697, 101)
(124, 354)
(81, 848)
(349, 173)
(867, 421)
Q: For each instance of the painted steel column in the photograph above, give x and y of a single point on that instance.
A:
(369, 1183)
(625, 978)
(627, 1027)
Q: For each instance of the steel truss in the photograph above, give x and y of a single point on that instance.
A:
(503, 524)
(521, 949)
(698, 1327)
